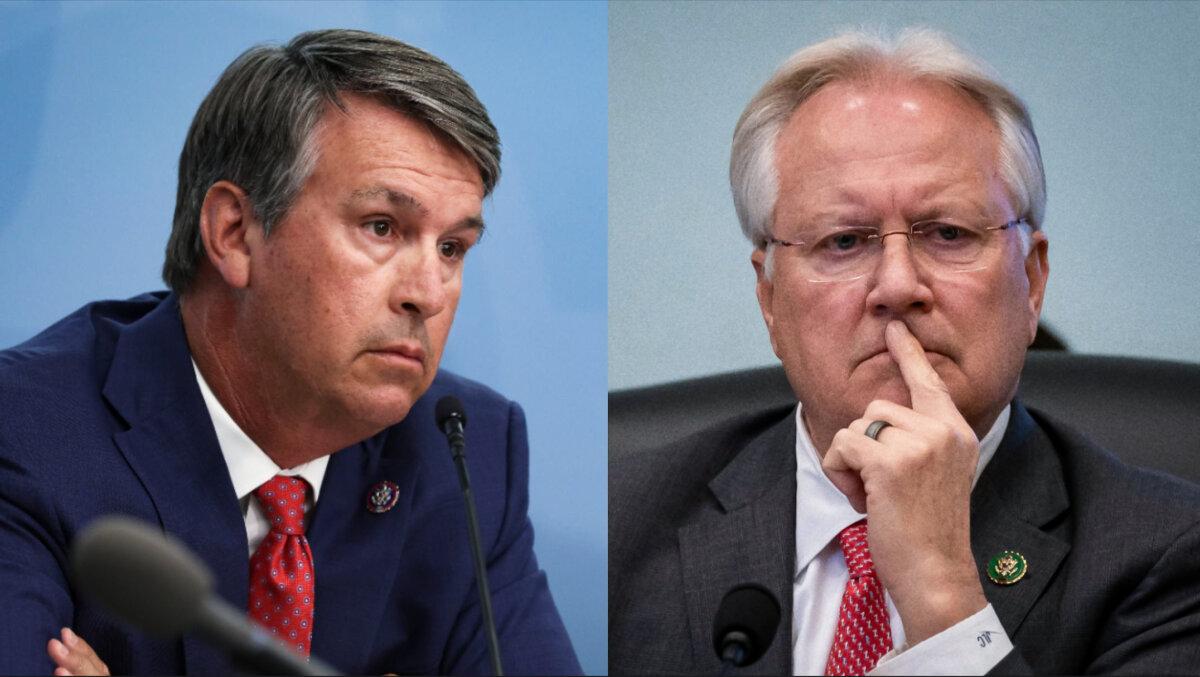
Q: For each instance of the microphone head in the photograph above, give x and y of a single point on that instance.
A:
(142, 575)
(447, 408)
(751, 610)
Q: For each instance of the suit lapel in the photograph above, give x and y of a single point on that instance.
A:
(172, 448)
(356, 552)
(746, 538)
(1020, 492)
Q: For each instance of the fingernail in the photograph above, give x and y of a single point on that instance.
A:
(69, 637)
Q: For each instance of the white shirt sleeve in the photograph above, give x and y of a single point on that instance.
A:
(972, 646)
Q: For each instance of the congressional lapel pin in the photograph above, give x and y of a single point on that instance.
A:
(383, 496)
(1007, 568)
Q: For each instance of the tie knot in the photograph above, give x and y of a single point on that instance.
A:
(853, 540)
(282, 498)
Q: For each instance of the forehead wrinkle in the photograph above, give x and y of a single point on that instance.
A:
(948, 188)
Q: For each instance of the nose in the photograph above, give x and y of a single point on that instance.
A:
(899, 286)
(420, 286)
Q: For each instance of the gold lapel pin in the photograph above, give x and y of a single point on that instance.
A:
(1007, 568)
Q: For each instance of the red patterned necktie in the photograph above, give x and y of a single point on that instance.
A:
(863, 631)
(282, 580)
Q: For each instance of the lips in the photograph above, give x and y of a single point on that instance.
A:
(402, 352)
(885, 352)
(882, 350)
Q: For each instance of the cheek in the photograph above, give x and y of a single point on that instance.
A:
(990, 315)
(323, 306)
(1010, 297)
(812, 325)
(438, 326)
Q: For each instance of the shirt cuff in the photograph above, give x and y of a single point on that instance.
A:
(972, 646)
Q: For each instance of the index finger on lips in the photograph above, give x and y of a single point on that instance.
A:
(928, 392)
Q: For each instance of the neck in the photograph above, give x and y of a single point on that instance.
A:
(285, 427)
(821, 436)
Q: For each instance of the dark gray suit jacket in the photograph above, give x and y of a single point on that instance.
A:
(1113, 551)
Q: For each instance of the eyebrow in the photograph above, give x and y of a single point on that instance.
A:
(409, 203)
(395, 197)
(944, 199)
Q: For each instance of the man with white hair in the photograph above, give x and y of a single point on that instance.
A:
(910, 515)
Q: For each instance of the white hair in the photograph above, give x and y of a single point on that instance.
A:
(857, 56)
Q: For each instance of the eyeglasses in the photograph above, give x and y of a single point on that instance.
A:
(844, 253)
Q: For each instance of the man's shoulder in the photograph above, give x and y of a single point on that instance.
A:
(1119, 521)
(1102, 485)
(709, 448)
(51, 385)
(76, 341)
(670, 476)
(67, 363)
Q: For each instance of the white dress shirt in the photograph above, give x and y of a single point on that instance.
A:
(249, 466)
(973, 646)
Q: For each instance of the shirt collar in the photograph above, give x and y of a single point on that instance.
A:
(249, 466)
(822, 511)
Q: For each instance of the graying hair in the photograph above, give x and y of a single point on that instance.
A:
(255, 128)
(857, 56)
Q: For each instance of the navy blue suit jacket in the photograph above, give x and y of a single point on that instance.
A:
(101, 414)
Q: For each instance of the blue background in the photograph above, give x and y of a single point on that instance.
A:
(95, 100)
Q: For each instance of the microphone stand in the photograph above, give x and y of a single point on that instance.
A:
(454, 431)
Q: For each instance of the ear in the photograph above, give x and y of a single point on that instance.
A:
(1037, 269)
(230, 232)
(765, 291)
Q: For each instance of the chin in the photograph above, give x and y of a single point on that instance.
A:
(377, 411)
(879, 381)
(893, 391)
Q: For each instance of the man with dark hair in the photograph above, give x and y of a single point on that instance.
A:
(329, 191)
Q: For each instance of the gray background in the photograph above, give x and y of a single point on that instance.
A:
(1114, 89)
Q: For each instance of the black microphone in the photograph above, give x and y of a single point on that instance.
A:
(450, 420)
(152, 581)
(745, 625)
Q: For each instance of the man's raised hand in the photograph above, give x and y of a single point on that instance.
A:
(914, 484)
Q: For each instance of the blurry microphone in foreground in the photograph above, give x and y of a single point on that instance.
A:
(153, 582)
(744, 626)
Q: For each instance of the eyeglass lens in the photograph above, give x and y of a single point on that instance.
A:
(845, 253)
